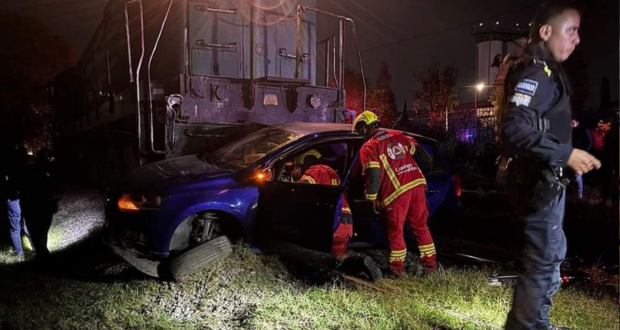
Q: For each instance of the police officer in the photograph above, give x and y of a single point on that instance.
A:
(535, 127)
(395, 182)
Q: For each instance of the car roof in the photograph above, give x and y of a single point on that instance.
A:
(305, 128)
(312, 128)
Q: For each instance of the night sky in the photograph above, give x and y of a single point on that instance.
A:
(407, 34)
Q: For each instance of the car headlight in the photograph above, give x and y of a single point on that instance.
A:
(141, 202)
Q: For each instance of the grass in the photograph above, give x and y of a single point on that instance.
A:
(256, 292)
(451, 299)
(250, 291)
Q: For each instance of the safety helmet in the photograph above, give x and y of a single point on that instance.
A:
(299, 160)
(365, 122)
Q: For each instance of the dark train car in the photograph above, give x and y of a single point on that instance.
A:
(164, 78)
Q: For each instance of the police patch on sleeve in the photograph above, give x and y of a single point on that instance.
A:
(521, 99)
(527, 87)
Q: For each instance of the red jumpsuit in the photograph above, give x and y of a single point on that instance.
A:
(397, 185)
(323, 174)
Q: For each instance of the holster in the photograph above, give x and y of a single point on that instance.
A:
(501, 178)
(548, 189)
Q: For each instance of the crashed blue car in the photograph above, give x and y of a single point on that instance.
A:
(176, 216)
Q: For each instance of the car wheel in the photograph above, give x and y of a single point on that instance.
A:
(200, 257)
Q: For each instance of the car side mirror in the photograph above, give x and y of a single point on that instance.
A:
(263, 175)
(258, 176)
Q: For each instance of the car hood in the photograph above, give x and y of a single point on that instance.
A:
(174, 171)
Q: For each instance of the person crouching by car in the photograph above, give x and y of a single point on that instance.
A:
(308, 170)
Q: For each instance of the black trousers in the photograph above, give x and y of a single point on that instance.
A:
(544, 249)
(39, 222)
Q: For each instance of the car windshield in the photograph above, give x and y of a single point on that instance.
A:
(247, 150)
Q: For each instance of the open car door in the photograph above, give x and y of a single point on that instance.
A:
(298, 213)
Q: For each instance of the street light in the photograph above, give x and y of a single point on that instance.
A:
(479, 87)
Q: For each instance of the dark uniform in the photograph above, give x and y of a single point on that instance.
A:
(39, 203)
(536, 135)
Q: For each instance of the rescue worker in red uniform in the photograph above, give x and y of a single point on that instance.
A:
(395, 184)
(307, 170)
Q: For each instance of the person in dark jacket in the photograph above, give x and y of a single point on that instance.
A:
(11, 180)
(535, 130)
(39, 202)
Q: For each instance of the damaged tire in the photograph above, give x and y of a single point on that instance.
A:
(200, 257)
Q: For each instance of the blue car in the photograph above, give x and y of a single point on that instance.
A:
(176, 216)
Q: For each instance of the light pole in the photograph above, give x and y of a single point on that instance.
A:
(479, 88)
(446, 119)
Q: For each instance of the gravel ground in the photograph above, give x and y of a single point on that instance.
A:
(224, 296)
(80, 215)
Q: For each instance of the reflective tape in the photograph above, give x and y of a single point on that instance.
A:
(371, 165)
(402, 190)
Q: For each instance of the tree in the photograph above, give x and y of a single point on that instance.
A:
(379, 100)
(382, 98)
(30, 60)
(354, 87)
(438, 93)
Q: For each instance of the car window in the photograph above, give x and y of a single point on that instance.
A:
(428, 157)
(332, 154)
(247, 150)
(433, 152)
(424, 159)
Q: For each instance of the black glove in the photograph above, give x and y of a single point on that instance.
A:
(346, 218)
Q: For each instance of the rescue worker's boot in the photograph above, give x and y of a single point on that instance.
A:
(429, 264)
(389, 274)
(396, 269)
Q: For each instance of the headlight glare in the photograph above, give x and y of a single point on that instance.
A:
(140, 202)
